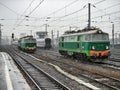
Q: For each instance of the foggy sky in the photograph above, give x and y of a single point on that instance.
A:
(13, 19)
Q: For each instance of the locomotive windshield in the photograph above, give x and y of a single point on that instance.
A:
(97, 37)
(100, 37)
(30, 40)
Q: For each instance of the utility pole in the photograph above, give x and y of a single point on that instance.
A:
(0, 34)
(113, 35)
(31, 32)
(116, 38)
(89, 15)
(57, 35)
(46, 28)
(52, 38)
(52, 34)
(119, 38)
(70, 28)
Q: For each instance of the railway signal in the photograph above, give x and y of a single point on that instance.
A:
(12, 35)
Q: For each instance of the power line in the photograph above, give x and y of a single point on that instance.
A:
(24, 11)
(107, 14)
(105, 8)
(69, 14)
(66, 15)
(73, 12)
(99, 2)
(31, 11)
(36, 7)
(10, 19)
(71, 4)
(77, 11)
(58, 10)
(63, 7)
(28, 6)
(9, 8)
(100, 10)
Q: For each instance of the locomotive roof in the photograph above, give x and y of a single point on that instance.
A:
(83, 33)
(27, 36)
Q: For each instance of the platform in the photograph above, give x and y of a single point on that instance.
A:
(10, 76)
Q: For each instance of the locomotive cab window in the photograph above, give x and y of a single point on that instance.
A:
(79, 38)
(62, 38)
(100, 37)
(88, 37)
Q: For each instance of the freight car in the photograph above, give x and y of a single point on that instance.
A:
(27, 43)
(87, 44)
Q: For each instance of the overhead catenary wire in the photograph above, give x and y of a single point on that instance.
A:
(99, 2)
(31, 12)
(69, 13)
(65, 15)
(9, 9)
(102, 10)
(63, 7)
(72, 13)
(36, 7)
(23, 14)
(57, 10)
(107, 14)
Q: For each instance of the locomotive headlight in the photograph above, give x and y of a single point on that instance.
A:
(107, 47)
(93, 47)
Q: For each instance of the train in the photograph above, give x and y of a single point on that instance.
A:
(88, 44)
(27, 44)
(43, 41)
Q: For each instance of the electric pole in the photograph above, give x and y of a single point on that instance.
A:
(70, 28)
(119, 38)
(52, 34)
(52, 38)
(89, 15)
(46, 28)
(31, 32)
(116, 38)
(113, 35)
(0, 34)
(57, 35)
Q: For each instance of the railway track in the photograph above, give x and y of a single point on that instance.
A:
(40, 79)
(113, 63)
(107, 81)
(115, 58)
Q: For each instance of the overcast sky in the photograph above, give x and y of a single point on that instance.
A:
(26, 16)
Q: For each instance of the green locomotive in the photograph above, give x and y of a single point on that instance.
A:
(84, 44)
(27, 43)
